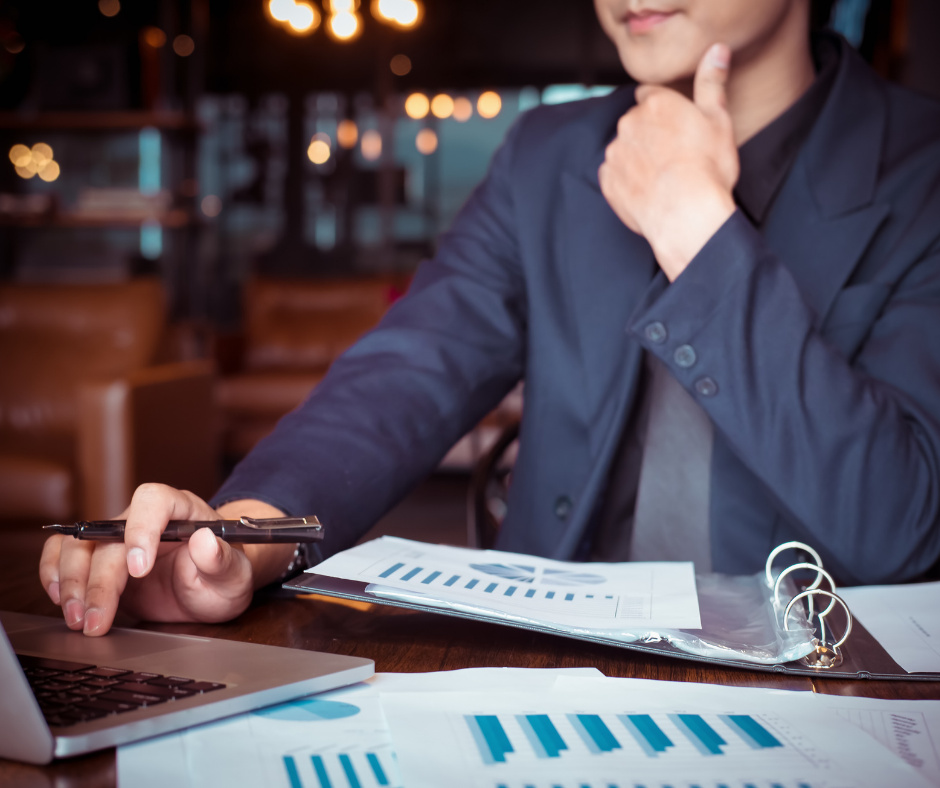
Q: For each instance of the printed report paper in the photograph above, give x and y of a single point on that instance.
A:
(625, 600)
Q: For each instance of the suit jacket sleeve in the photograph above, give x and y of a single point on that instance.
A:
(390, 407)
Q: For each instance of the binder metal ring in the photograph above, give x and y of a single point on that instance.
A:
(826, 656)
(820, 574)
(768, 567)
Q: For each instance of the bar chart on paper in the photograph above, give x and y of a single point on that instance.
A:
(619, 597)
(554, 747)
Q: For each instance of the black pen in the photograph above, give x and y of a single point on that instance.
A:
(245, 530)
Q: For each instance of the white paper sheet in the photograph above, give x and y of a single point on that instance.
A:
(622, 735)
(905, 619)
(909, 728)
(338, 738)
(619, 600)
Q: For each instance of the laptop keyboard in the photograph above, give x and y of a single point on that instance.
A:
(71, 692)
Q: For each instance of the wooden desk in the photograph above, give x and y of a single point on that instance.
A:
(398, 641)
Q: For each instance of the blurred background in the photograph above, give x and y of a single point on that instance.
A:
(203, 202)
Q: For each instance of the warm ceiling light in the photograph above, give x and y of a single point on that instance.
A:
(154, 37)
(426, 141)
(319, 149)
(280, 10)
(489, 104)
(50, 171)
(371, 145)
(41, 153)
(442, 106)
(345, 25)
(183, 45)
(343, 6)
(20, 155)
(417, 106)
(400, 65)
(403, 13)
(347, 133)
(109, 7)
(304, 19)
(463, 109)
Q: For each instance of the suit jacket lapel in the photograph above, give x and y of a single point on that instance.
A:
(824, 218)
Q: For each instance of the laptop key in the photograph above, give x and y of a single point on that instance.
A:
(169, 681)
(105, 673)
(141, 676)
(155, 689)
(106, 706)
(136, 698)
(204, 686)
(51, 664)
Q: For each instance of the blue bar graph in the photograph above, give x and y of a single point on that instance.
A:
(510, 591)
(490, 738)
(699, 733)
(380, 777)
(412, 572)
(472, 583)
(647, 733)
(569, 597)
(754, 734)
(490, 588)
(351, 777)
(391, 570)
(293, 776)
(320, 768)
(542, 735)
(431, 577)
(595, 734)
(452, 580)
(530, 592)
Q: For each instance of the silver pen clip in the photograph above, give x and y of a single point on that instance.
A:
(276, 523)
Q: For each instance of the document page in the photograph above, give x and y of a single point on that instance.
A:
(905, 619)
(625, 600)
(609, 735)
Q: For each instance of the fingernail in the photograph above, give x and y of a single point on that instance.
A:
(92, 620)
(74, 612)
(54, 593)
(719, 56)
(136, 561)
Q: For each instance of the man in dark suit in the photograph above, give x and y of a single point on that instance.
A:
(722, 290)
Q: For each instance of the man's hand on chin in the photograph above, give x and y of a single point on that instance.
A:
(670, 171)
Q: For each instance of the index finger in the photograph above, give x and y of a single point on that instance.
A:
(152, 507)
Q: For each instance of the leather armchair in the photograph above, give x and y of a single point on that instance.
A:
(86, 413)
(293, 330)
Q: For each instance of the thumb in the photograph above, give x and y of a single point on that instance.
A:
(708, 89)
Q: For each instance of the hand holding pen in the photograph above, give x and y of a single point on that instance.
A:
(187, 575)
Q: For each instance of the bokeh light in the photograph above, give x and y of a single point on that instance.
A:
(426, 141)
(344, 25)
(400, 65)
(20, 155)
(347, 133)
(319, 149)
(489, 104)
(442, 106)
(371, 145)
(184, 45)
(154, 37)
(417, 106)
(109, 7)
(280, 10)
(211, 205)
(49, 172)
(403, 13)
(463, 109)
(303, 19)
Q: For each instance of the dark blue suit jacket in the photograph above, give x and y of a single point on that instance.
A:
(817, 344)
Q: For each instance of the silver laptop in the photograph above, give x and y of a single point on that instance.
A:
(63, 694)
